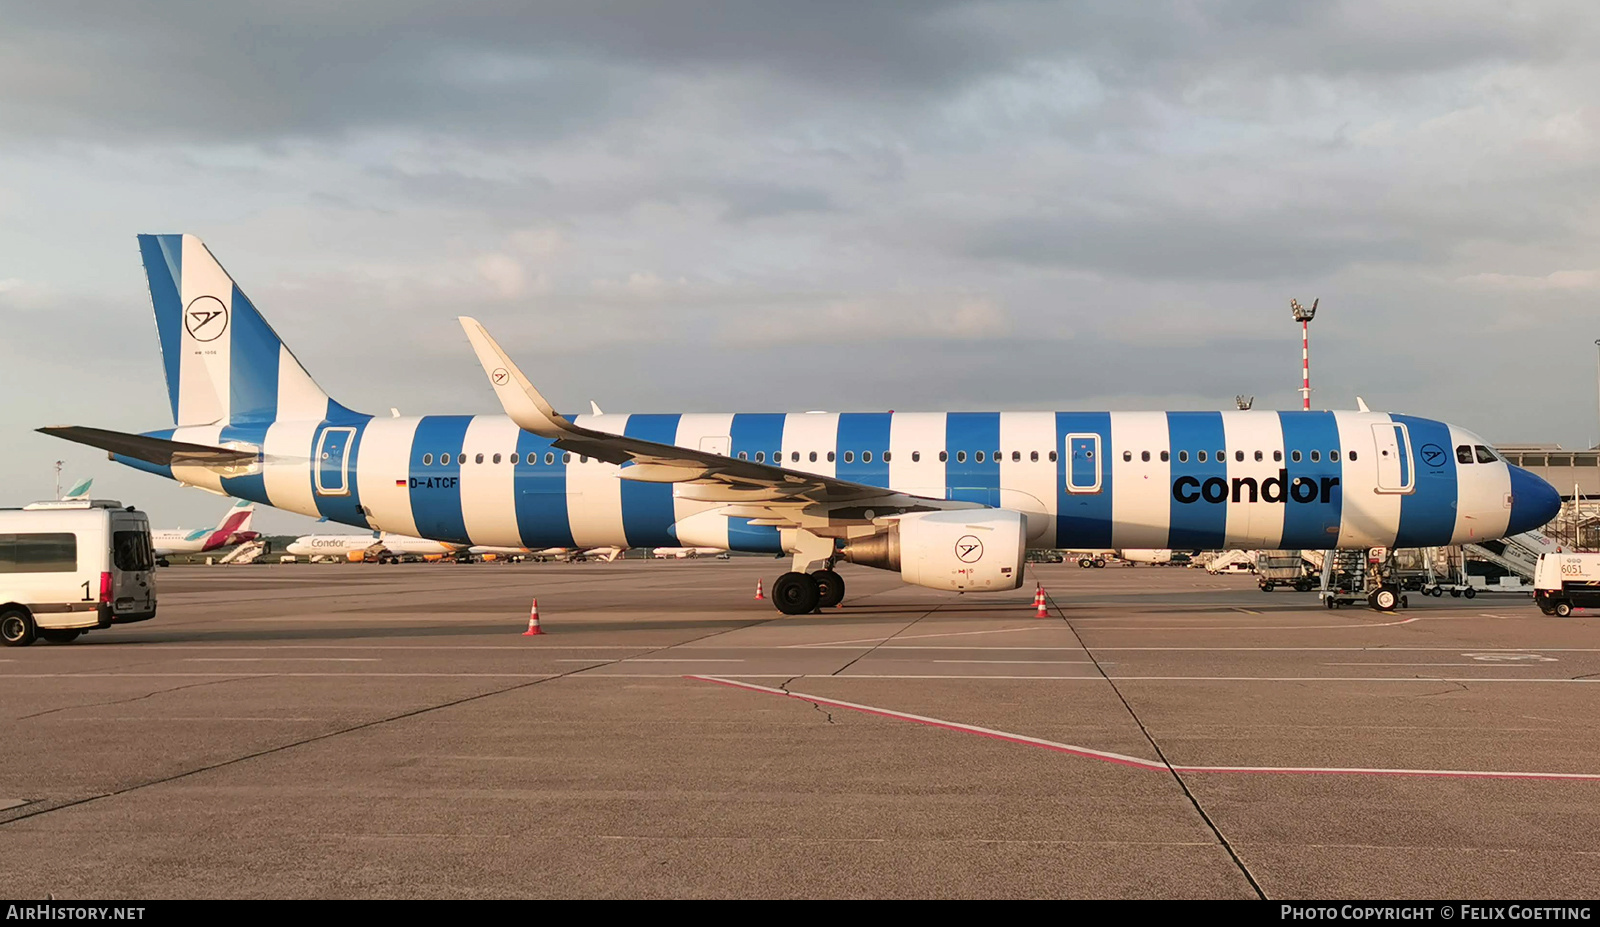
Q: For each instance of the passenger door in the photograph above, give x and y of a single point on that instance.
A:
(1083, 463)
(1396, 470)
(333, 461)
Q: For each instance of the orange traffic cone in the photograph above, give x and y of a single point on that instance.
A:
(1038, 604)
(759, 596)
(533, 621)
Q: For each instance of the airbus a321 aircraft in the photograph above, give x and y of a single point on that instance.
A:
(948, 500)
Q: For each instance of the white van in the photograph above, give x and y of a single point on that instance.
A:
(73, 565)
(1564, 581)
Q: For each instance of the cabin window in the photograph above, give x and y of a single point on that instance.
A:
(1258, 456)
(1333, 456)
(1144, 456)
(1238, 456)
(1052, 456)
(583, 459)
(744, 455)
(916, 456)
(794, 456)
(1351, 455)
(497, 458)
(1487, 456)
(761, 456)
(1316, 456)
(1183, 457)
(1033, 456)
(1016, 456)
(830, 457)
(427, 460)
(866, 457)
(1201, 457)
(1127, 456)
(849, 456)
(813, 456)
(1221, 456)
(961, 456)
(885, 456)
(567, 457)
(461, 458)
(1165, 456)
(979, 457)
(1294, 456)
(943, 456)
(1277, 456)
(549, 457)
(516, 458)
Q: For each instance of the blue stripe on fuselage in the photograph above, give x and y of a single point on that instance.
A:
(436, 488)
(1313, 524)
(968, 434)
(1200, 523)
(1428, 514)
(862, 433)
(647, 510)
(542, 518)
(1083, 519)
(757, 433)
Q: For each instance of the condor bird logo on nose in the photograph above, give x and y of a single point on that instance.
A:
(969, 549)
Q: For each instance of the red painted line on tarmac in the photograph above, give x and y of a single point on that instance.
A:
(1138, 762)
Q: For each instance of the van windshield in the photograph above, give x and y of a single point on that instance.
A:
(130, 550)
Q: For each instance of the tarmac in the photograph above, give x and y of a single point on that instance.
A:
(356, 730)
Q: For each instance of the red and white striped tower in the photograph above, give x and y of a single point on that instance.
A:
(1304, 317)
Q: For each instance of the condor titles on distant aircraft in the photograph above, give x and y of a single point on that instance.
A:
(947, 500)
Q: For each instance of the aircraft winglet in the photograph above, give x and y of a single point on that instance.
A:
(521, 401)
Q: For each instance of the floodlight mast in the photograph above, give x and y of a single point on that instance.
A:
(1304, 317)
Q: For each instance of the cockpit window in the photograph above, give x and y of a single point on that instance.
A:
(1464, 453)
(1484, 454)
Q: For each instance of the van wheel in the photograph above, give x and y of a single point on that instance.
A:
(1563, 609)
(66, 636)
(16, 628)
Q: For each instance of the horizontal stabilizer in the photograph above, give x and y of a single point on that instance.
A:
(153, 450)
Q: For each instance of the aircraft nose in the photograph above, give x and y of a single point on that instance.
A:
(1534, 503)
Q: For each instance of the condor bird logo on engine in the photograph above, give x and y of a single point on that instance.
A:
(969, 549)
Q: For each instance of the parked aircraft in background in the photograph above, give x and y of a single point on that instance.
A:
(233, 528)
(947, 500)
(683, 553)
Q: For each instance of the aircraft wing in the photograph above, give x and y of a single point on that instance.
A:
(153, 450)
(715, 478)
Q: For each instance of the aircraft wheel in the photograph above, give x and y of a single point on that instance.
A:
(1471, 593)
(16, 628)
(795, 594)
(830, 588)
(1563, 609)
(64, 636)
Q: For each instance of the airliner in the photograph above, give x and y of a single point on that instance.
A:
(233, 528)
(388, 547)
(949, 500)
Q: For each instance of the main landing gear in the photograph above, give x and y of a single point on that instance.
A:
(801, 593)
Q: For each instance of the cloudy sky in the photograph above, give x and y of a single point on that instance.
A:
(705, 206)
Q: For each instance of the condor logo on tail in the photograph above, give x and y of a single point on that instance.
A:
(1305, 489)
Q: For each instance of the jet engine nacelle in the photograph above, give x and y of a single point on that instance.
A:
(968, 550)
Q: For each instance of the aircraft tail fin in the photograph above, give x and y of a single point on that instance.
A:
(79, 490)
(236, 518)
(223, 362)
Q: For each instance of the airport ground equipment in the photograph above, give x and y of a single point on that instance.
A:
(1276, 568)
(1231, 561)
(1565, 581)
(71, 566)
(1096, 562)
(248, 552)
(1349, 578)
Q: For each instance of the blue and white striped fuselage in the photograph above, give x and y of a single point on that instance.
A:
(1183, 480)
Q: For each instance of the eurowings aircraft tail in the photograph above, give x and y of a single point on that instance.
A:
(224, 363)
(236, 519)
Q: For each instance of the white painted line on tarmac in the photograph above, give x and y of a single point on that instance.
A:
(247, 675)
(1028, 662)
(677, 660)
(1482, 665)
(1123, 759)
